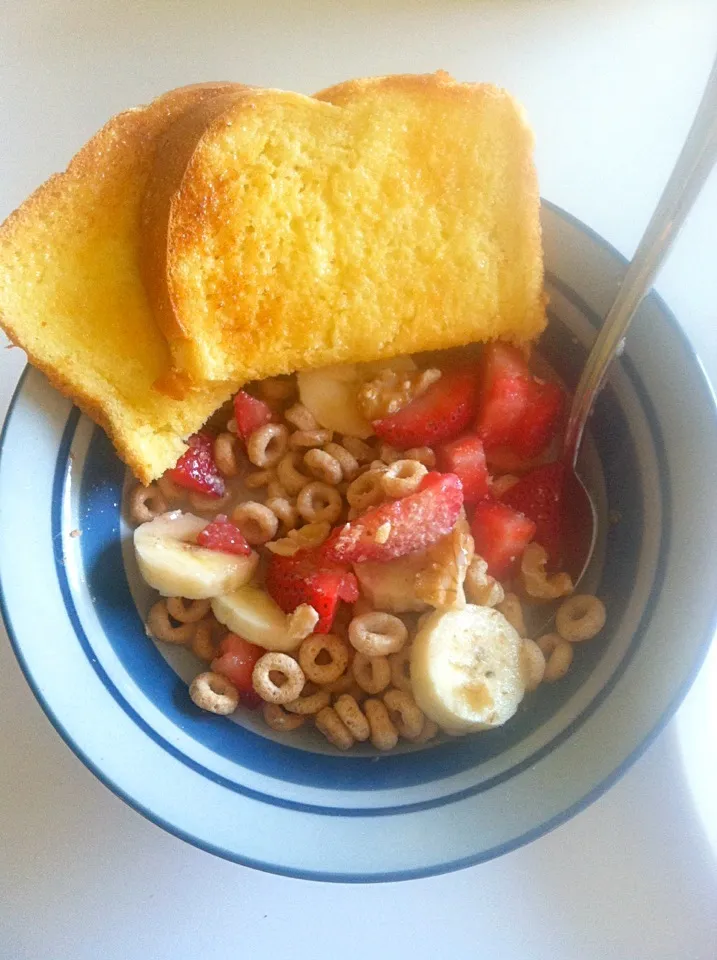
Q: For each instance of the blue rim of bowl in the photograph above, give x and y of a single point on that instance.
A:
(542, 829)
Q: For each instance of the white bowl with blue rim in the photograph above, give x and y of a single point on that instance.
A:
(74, 608)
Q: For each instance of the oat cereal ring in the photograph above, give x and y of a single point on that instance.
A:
(343, 684)
(352, 717)
(377, 634)
(267, 445)
(361, 451)
(480, 587)
(310, 535)
(300, 622)
(429, 731)
(388, 454)
(580, 618)
(384, 735)
(536, 582)
(284, 511)
(277, 689)
(205, 643)
(424, 455)
(146, 503)
(309, 438)
(309, 703)
(513, 612)
(169, 489)
(276, 491)
(278, 719)
(323, 466)
(347, 461)
(290, 478)
(259, 478)
(187, 611)
(330, 646)
(502, 485)
(160, 626)
(365, 491)
(406, 715)
(257, 522)
(213, 692)
(532, 662)
(277, 388)
(402, 478)
(301, 417)
(558, 655)
(204, 504)
(400, 664)
(227, 455)
(332, 727)
(318, 502)
(372, 674)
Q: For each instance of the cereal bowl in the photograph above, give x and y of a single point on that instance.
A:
(293, 805)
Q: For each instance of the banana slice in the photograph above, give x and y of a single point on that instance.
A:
(252, 613)
(172, 563)
(466, 669)
(330, 393)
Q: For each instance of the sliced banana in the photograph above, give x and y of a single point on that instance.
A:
(170, 560)
(252, 613)
(466, 669)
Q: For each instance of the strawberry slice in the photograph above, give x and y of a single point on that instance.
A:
(402, 527)
(196, 469)
(224, 536)
(539, 422)
(466, 458)
(505, 382)
(539, 496)
(500, 534)
(308, 577)
(445, 409)
(236, 661)
(250, 413)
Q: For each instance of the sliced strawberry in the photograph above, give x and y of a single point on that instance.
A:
(500, 534)
(502, 405)
(441, 413)
(539, 495)
(223, 535)
(401, 527)
(236, 661)
(539, 422)
(250, 413)
(466, 458)
(196, 469)
(308, 577)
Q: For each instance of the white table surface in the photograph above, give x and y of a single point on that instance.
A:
(610, 87)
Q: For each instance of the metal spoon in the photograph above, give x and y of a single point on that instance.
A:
(693, 166)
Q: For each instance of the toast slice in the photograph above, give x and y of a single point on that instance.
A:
(385, 216)
(71, 292)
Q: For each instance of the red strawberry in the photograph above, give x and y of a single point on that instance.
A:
(308, 577)
(441, 413)
(223, 535)
(466, 458)
(501, 534)
(196, 469)
(250, 414)
(409, 524)
(539, 496)
(236, 661)
(537, 426)
(504, 387)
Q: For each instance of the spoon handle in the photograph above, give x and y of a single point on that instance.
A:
(693, 166)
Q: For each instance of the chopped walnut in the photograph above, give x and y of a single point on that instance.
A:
(390, 391)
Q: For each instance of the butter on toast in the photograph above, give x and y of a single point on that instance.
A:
(71, 293)
(382, 217)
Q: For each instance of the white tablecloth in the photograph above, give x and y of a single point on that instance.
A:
(610, 87)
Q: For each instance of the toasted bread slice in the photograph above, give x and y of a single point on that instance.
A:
(72, 296)
(387, 216)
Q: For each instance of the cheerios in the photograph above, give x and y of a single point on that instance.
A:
(347, 461)
(406, 715)
(226, 455)
(319, 502)
(160, 627)
(267, 445)
(352, 717)
(558, 655)
(284, 511)
(532, 661)
(400, 664)
(146, 503)
(277, 678)
(311, 534)
(276, 490)
(256, 521)
(323, 466)
(187, 611)
(289, 476)
(480, 587)
(309, 439)
(361, 451)
(402, 478)
(170, 490)
(537, 583)
(384, 735)
(328, 647)
(330, 724)
(278, 719)
(205, 642)
(428, 732)
(580, 618)
(213, 692)
(424, 455)
(377, 634)
(512, 610)
(203, 503)
(301, 417)
(259, 478)
(388, 454)
(373, 674)
(309, 703)
(366, 490)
